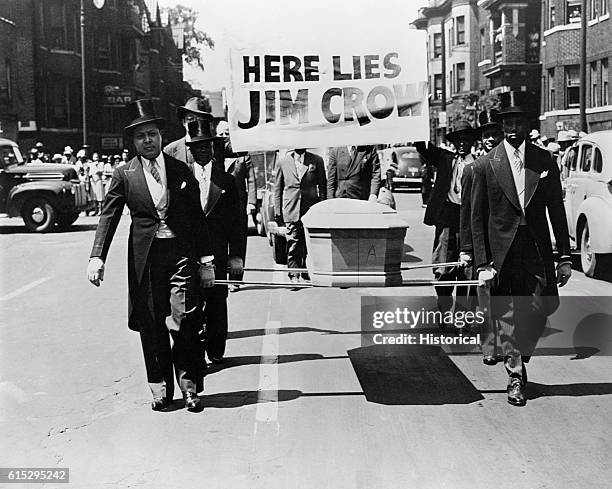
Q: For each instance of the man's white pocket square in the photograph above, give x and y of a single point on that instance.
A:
(222, 191)
(544, 174)
(183, 185)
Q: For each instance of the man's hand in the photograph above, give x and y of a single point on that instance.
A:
(486, 276)
(465, 259)
(95, 271)
(373, 198)
(207, 275)
(235, 267)
(250, 209)
(564, 272)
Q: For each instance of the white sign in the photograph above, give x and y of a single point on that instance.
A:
(294, 91)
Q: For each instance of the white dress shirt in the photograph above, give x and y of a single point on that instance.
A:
(518, 170)
(159, 194)
(298, 160)
(459, 163)
(202, 174)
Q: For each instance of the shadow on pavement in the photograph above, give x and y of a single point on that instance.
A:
(535, 390)
(229, 362)
(411, 375)
(23, 230)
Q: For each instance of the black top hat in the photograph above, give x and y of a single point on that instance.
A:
(196, 105)
(201, 131)
(460, 128)
(516, 103)
(141, 112)
(488, 118)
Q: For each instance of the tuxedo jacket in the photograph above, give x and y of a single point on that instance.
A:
(223, 218)
(294, 196)
(496, 211)
(353, 178)
(178, 149)
(443, 161)
(184, 217)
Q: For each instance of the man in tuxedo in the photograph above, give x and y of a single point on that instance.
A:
(353, 173)
(513, 187)
(168, 249)
(196, 108)
(221, 205)
(240, 166)
(300, 183)
(443, 209)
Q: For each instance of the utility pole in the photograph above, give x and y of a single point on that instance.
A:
(443, 45)
(83, 84)
(583, 66)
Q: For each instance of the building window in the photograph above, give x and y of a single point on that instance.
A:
(452, 82)
(573, 11)
(483, 44)
(460, 77)
(605, 96)
(551, 17)
(9, 82)
(594, 91)
(604, 7)
(438, 87)
(460, 29)
(61, 101)
(552, 102)
(104, 50)
(572, 84)
(594, 9)
(61, 26)
(437, 45)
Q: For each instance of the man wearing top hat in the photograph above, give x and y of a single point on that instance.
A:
(168, 251)
(443, 208)
(221, 204)
(196, 108)
(513, 188)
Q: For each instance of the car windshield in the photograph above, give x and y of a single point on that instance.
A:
(10, 155)
(409, 159)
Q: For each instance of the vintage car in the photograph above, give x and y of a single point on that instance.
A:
(405, 163)
(588, 200)
(45, 195)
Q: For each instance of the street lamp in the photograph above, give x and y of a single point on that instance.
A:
(98, 4)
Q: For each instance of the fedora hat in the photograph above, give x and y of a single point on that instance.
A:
(201, 131)
(460, 128)
(141, 112)
(517, 103)
(195, 105)
(488, 118)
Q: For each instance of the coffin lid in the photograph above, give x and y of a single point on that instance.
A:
(352, 214)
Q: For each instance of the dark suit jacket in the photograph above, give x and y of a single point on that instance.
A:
(496, 211)
(353, 178)
(223, 214)
(179, 150)
(443, 161)
(241, 168)
(293, 196)
(185, 217)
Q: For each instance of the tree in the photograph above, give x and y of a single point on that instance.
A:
(194, 38)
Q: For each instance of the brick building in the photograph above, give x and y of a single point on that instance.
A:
(129, 54)
(560, 53)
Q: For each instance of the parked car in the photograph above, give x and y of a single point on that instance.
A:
(588, 200)
(44, 195)
(405, 162)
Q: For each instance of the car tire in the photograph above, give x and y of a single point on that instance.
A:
(279, 249)
(64, 221)
(38, 215)
(593, 264)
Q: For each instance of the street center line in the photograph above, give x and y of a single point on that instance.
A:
(23, 289)
(267, 392)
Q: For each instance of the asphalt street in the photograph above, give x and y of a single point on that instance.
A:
(299, 402)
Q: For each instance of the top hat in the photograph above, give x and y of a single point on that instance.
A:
(68, 150)
(516, 103)
(195, 105)
(141, 112)
(201, 131)
(488, 118)
(460, 128)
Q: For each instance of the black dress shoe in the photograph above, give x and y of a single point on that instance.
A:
(516, 396)
(192, 402)
(161, 404)
(489, 360)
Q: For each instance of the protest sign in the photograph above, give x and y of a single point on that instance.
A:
(285, 92)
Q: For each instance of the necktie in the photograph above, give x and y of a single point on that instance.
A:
(203, 187)
(352, 151)
(518, 163)
(519, 166)
(155, 171)
(457, 173)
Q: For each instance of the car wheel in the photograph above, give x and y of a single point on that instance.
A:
(64, 221)
(279, 249)
(38, 215)
(593, 264)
